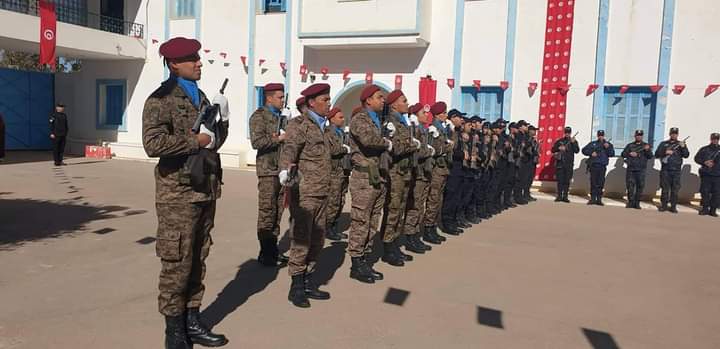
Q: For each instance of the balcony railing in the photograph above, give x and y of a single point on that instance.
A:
(77, 16)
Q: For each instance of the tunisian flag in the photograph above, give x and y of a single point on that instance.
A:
(47, 33)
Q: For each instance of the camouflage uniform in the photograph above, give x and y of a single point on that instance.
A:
(420, 184)
(367, 144)
(338, 177)
(263, 124)
(185, 216)
(308, 148)
(439, 175)
(400, 174)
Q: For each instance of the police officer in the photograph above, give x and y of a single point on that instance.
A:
(481, 190)
(465, 215)
(525, 166)
(534, 155)
(671, 154)
(498, 164)
(515, 137)
(456, 179)
(185, 204)
(339, 173)
(267, 134)
(58, 133)
(599, 152)
(441, 131)
(708, 157)
(475, 188)
(367, 187)
(564, 151)
(636, 155)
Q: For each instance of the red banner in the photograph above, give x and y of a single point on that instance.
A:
(428, 92)
(47, 33)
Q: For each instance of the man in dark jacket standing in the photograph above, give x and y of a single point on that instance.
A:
(636, 155)
(708, 157)
(564, 151)
(58, 133)
(600, 151)
(671, 152)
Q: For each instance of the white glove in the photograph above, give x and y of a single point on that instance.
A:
(389, 147)
(224, 109)
(414, 120)
(434, 131)
(283, 176)
(417, 143)
(432, 150)
(282, 132)
(449, 124)
(204, 130)
(391, 128)
(347, 148)
(347, 129)
(448, 141)
(286, 113)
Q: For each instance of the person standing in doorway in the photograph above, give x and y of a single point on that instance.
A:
(58, 133)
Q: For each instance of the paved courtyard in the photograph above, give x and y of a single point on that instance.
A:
(78, 270)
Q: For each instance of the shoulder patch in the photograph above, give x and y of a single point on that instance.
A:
(165, 88)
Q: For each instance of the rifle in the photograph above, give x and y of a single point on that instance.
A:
(283, 119)
(673, 147)
(385, 157)
(346, 162)
(414, 158)
(428, 164)
(596, 149)
(558, 156)
(207, 115)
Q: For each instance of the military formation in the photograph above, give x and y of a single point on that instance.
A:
(413, 172)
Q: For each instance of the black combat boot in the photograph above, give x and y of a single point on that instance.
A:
(559, 197)
(266, 256)
(598, 201)
(175, 333)
(565, 197)
(704, 211)
(662, 207)
(462, 220)
(360, 271)
(375, 274)
(332, 234)
(297, 292)
(428, 236)
(201, 334)
(312, 290)
(419, 243)
(412, 245)
(472, 216)
(713, 212)
(390, 256)
(434, 232)
(673, 208)
(450, 228)
(406, 257)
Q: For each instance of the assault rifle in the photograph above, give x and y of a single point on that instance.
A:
(385, 157)
(673, 147)
(208, 115)
(346, 162)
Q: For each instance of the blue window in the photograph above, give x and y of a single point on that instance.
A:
(625, 113)
(486, 103)
(274, 6)
(182, 9)
(110, 104)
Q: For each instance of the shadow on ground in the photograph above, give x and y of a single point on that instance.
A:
(26, 220)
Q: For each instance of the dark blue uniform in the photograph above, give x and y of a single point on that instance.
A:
(636, 167)
(670, 172)
(564, 165)
(598, 165)
(709, 178)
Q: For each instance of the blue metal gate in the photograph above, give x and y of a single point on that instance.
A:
(26, 100)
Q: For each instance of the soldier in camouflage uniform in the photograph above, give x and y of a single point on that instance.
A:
(419, 186)
(339, 174)
(306, 159)
(185, 207)
(367, 187)
(441, 131)
(266, 137)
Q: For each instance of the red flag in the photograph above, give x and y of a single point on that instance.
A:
(48, 32)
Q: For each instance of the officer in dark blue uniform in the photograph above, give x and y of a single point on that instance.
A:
(454, 186)
(564, 151)
(708, 157)
(599, 151)
(636, 155)
(671, 154)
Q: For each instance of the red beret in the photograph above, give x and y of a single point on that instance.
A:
(357, 109)
(393, 96)
(300, 102)
(273, 87)
(438, 108)
(332, 112)
(315, 90)
(179, 47)
(415, 108)
(368, 91)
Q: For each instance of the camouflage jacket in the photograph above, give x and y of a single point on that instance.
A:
(168, 117)
(263, 124)
(443, 158)
(403, 147)
(424, 154)
(307, 147)
(366, 140)
(335, 138)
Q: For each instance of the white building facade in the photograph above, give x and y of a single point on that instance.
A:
(617, 65)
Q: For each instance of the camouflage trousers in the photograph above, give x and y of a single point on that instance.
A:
(307, 232)
(336, 198)
(270, 207)
(183, 244)
(435, 198)
(367, 204)
(394, 209)
(415, 210)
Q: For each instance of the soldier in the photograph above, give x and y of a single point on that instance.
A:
(399, 176)
(515, 138)
(496, 151)
(306, 159)
(339, 173)
(564, 151)
(420, 184)
(367, 187)
(600, 151)
(472, 213)
(266, 136)
(456, 178)
(185, 204)
(464, 213)
(485, 171)
(636, 155)
(534, 155)
(671, 154)
(441, 132)
(708, 158)
(58, 133)
(524, 162)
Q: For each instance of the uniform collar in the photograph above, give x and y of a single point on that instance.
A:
(319, 120)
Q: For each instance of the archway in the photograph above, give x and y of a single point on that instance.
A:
(349, 97)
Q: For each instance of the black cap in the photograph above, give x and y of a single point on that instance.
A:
(674, 130)
(639, 132)
(601, 133)
(60, 105)
(455, 113)
(486, 125)
(568, 129)
(496, 125)
(476, 118)
(715, 136)
(532, 128)
(513, 125)
(522, 123)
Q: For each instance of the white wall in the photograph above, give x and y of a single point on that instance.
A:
(529, 47)
(483, 43)
(325, 16)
